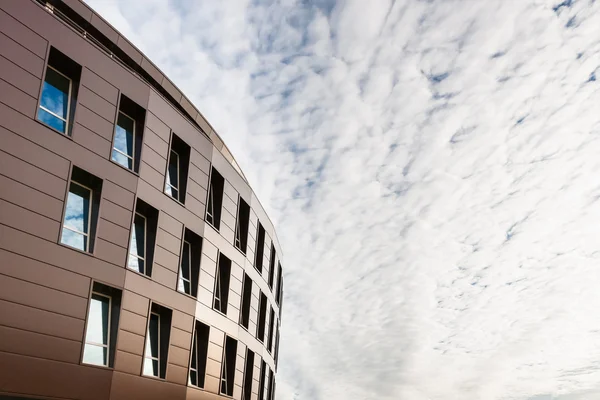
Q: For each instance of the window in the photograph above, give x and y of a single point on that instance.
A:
(101, 326)
(248, 372)
(261, 383)
(177, 169)
(143, 237)
(260, 248)
(127, 144)
(262, 314)
(279, 284)
(59, 92)
(222, 284)
(270, 387)
(157, 342)
(272, 265)
(272, 322)
(199, 354)
(189, 265)
(246, 300)
(81, 211)
(228, 366)
(215, 199)
(276, 346)
(241, 226)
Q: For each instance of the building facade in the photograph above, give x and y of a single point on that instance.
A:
(135, 260)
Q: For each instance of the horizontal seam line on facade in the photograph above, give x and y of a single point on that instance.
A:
(198, 167)
(38, 191)
(169, 233)
(146, 126)
(195, 198)
(153, 150)
(169, 307)
(21, 68)
(41, 333)
(129, 352)
(107, 82)
(150, 166)
(19, 89)
(96, 93)
(113, 223)
(128, 331)
(33, 165)
(20, 45)
(41, 309)
(133, 312)
(94, 112)
(25, 26)
(118, 205)
(39, 358)
(33, 394)
(165, 249)
(46, 286)
(111, 242)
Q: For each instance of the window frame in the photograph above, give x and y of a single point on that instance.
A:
(89, 223)
(87, 326)
(194, 352)
(157, 359)
(145, 243)
(66, 121)
(132, 157)
(189, 268)
(167, 177)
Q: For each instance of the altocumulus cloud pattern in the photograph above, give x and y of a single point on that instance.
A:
(436, 167)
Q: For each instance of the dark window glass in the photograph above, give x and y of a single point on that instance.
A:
(260, 248)
(177, 169)
(199, 354)
(241, 226)
(261, 382)
(228, 366)
(248, 373)
(272, 265)
(143, 236)
(262, 315)
(157, 342)
(222, 284)
(279, 284)
(246, 300)
(272, 322)
(124, 146)
(189, 266)
(215, 199)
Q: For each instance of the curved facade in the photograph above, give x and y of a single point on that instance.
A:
(135, 260)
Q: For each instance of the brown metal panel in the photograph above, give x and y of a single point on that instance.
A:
(19, 77)
(38, 345)
(180, 338)
(36, 320)
(177, 374)
(110, 252)
(178, 356)
(204, 125)
(213, 367)
(153, 159)
(94, 122)
(135, 303)
(169, 242)
(116, 214)
(104, 28)
(17, 99)
(157, 144)
(94, 102)
(33, 153)
(166, 259)
(200, 161)
(158, 127)
(149, 67)
(22, 35)
(34, 376)
(127, 362)
(188, 107)
(129, 49)
(199, 177)
(164, 276)
(133, 323)
(27, 221)
(131, 343)
(151, 176)
(171, 89)
(21, 56)
(128, 387)
(215, 351)
(199, 193)
(30, 294)
(91, 140)
(170, 225)
(113, 233)
(26, 269)
(99, 86)
(211, 384)
(195, 206)
(118, 195)
(30, 199)
(62, 256)
(182, 321)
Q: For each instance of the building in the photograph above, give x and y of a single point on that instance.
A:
(135, 260)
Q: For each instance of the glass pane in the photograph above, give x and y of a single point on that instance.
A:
(52, 120)
(193, 378)
(173, 175)
(193, 364)
(121, 159)
(55, 94)
(138, 236)
(152, 340)
(184, 275)
(124, 135)
(74, 239)
(77, 215)
(97, 328)
(96, 355)
(136, 264)
(150, 367)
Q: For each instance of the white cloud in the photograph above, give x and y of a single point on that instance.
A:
(432, 169)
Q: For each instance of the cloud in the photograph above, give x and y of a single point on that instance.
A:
(432, 170)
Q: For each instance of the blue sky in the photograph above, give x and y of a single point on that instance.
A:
(432, 169)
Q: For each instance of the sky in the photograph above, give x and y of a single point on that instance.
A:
(432, 168)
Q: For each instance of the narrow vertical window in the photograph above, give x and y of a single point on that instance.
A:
(143, 236)
(241, 225)
(262, 315)
(59, 92)
(189, 265)
(246, 300)
(81, 211)
(127, 142)
(177, 169)
(270, 385)
(279, 284)
(260, 248)
(228, 366)
(261, 382)
(272, 322)
(272, 266)
(157, 341)
(199, 354)
(276, 345)
(215, 198)
(248, 375)
(101, 326)
(222, 284)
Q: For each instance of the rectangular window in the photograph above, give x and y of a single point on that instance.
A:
(248, 373)
(157, 342)
(246, 300)
(260, 248)
(279, 284)
(143, 237)
(241, 226)
(228, 366)
(272, 265)
(261, 382)
(276, 346)
(101, 326)
(262, 315)
(81, 211)
(222, 284)
(189, 265)
(199, 354)
(59, 92)
(270, 392)
(215, 198)
(272, 323)
(127, 143)
(177, 169)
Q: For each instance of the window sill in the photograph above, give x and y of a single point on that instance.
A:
(103, 367)
(174, 199)
(240, 250)
(63, 134)
(138, 273)
(153, 377)
(186, 295)
(126, 169)
(219, 311)
(87, 253)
